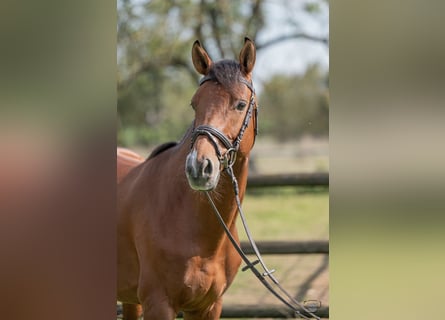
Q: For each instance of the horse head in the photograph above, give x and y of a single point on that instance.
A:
(225, 115)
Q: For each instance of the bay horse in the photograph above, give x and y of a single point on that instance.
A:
(126, 161)
(173, 254)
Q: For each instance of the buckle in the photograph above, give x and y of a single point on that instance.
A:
(229, 158)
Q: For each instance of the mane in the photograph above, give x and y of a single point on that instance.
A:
(227, 73)
(161, 148)
(167, 145)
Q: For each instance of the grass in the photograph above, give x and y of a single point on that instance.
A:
(287, 214)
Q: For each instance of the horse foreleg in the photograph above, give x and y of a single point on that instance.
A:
(213, 313)
(131, 311)
(158, 311)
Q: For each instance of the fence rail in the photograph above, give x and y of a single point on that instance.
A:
(288, 247)
(283, 180)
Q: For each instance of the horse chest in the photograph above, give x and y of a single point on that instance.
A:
(204, 282)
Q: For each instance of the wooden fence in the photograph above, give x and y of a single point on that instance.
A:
(281, 247)
(288, 247)
(283, 180)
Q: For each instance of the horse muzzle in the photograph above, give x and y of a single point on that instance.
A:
(202, 172)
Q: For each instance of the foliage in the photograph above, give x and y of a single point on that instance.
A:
(154, 109)
(295, 105)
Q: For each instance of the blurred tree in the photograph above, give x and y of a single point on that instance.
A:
(156, 78)
(292, 106)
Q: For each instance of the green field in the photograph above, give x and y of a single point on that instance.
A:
(288, 213)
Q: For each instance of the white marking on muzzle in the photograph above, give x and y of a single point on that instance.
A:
(191, 164)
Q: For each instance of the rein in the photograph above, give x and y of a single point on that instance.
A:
(227, 160)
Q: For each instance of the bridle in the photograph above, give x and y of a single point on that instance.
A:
(228, 158)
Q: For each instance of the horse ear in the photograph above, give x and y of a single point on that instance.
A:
(200, 58)
(247, 56)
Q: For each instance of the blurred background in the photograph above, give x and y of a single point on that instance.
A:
(156, 80)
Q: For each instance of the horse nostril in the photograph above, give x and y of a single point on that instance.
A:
(190, 166)
(207, 167)
(189, 170)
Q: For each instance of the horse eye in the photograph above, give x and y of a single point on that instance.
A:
(241, 106)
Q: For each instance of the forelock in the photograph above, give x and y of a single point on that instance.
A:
(227, 73)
